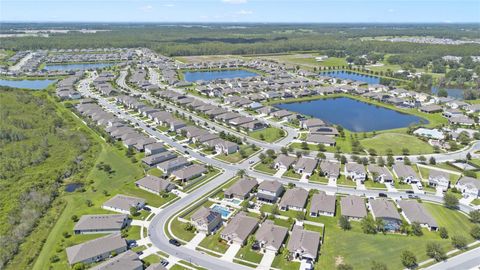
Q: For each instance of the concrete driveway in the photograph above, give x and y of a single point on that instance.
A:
(196, 240)
(267, 260)
(231, 252)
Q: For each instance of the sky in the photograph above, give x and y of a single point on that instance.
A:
(237, 11)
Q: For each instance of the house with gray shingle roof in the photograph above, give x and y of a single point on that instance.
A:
(190, 172)
(380, 174)
(284, 162)
(294, 199)
(304, 244)
(322, 204)
(414, 211)
(206, 220)
(353, 207)
(128, 260)
(355, 171)
(154, 148)
(270, 191)
(122, 203)
(173, 164)
(96, 249)
(469, 186)
(271, 236)
(154, 184)
(439, 179)
(305, 166)
(239, 228)
(387, 211)
(321, 139)
(241, 189)
(329, 169)
(405, 173)
(109, 223)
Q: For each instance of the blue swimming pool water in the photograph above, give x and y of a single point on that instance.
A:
(221, 210)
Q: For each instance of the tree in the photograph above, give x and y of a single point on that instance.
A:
(344, 223)
(405, 227)
(408, 258)
(74, 218)
(406, 161)
(241, 173)
(469, 156)
(475, 232)
(378, 266)
(133, 211)
(422, 159)
(475, 216)
(417, 229)
(262, 137)
(284, 150)
(443, 232)
(321, 156)
(343, 159)
(435, 251)
(459, 241)
(368, 225)
(380, 161)
(432, 161)
(450, 201)
(78, 266)
(405, 151)
(88, 203)
(321, 147)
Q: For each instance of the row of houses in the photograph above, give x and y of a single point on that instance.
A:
(66, 87)
(65, 57)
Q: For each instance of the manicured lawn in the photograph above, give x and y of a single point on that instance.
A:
(396, 142)
(476, 202)
(155, 172)
(353, 247)
(178, 229)
(246, 253)
(292, 174)
(264, 168)
(287, 223)
(152, 259)
(345, 182)
(318, 179)
(237, 157)
(213, 242)
(373, 184)
(399, 185)
(270, 134)
(133, 233)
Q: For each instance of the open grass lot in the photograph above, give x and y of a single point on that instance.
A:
(307, 60)
(213, 242)
(353, 247)
(397, 142)
(270, 134)
(178, 229)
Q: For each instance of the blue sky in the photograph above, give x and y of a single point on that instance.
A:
(451, 11)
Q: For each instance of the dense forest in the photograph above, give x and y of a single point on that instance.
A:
(39, 149)
(177, 40)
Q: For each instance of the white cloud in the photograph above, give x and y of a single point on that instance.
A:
(234, 1)
(146, 8)
(245, 12)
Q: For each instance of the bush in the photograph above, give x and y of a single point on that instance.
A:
(459, 241)
(443, 232)
(54, 259)
(435, 251)
(378, 266)
(417, 229)
(450, 201)
(409, 259)
(475, 232)
(475, 216)
(344, 223)
(344, 266)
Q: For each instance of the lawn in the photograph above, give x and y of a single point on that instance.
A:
(318, 179)
(270, 134)
(354, 246)
(292, 174)
(246, 253)
(264, 168)
(178, 230)
(396, 142)
(374, 185)
(237, 157)
(342, 181)
(214, 242)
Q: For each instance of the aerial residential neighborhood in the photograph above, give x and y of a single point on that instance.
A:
(260, 136)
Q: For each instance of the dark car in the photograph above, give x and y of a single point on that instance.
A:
(174, 242)
(147, 209)
(383, 195)
(164, 263)
(409, 191)
(186, 152)
(139, 252)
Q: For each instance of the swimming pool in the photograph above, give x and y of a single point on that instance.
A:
(222, 210)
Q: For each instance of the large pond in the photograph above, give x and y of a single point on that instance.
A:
(352, 114)
(192, 76)
(84, 66)
(28, 84)
(349, 75)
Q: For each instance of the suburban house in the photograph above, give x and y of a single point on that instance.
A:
(329, 169)
(355, 171)
(294, 199)
(128, 260)
(303, 244)
(206, 220)
(353, 207)
(439, 179)
(241, 189)
(154, 148)
(469, 186)
(283, 162)
(158, 158)
(387, 211)
(311, 123)
(239, 228)
(122, 203)
(110, 223)
(380, 174)
(270, 191)
(190, 172)
(414, 211)
(97, 249)
(154, 184)
(305, 166)
(322, 204)
(271, 236)
(173, 164)
(321, 139)
(222, 146)
(405, 173)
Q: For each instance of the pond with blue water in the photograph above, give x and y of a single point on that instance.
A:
(193, 76)
(352, 114)
(27, 84)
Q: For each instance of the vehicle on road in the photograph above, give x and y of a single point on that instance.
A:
(383, 195)
(164, 263)
(174, 242)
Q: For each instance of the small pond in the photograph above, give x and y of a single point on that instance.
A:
(28, 84)
(73, 186)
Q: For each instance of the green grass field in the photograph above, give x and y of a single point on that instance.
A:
(396, 142)
(270, 134)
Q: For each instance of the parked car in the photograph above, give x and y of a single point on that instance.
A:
(139, 252)
(383, 195)
(186, 152)
(148, 209)
(164, 263)
(174, 242)
(409, 191)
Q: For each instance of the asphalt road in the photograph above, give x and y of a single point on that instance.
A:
(464, 261)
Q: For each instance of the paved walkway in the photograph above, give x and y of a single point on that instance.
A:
(280, 172)
(360, 186)
(196, 240)
(304, 178)
(149, 251)
(231, 252)
(332, 182)
(267, 260)
(179, 193)
(391, 188)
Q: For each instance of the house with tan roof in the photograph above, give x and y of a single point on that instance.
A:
(304, 244)
(271, 236)
(239, 228)
(322, 204)
(294, 199)
(353, 207)
(241, 189)
(206, 220)
(96, 250)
